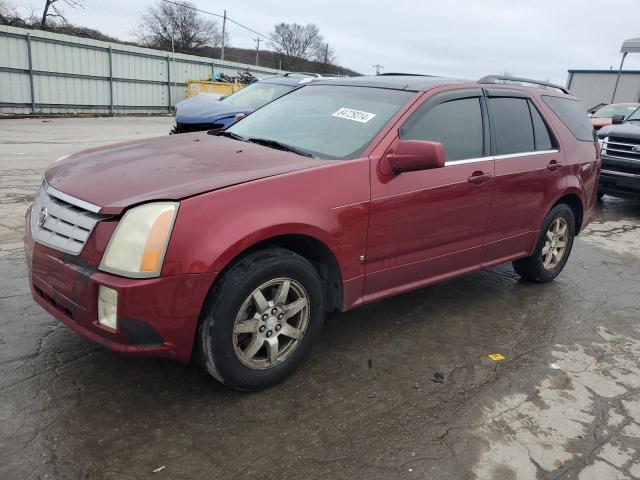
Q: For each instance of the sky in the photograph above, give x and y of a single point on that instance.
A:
(539, 39)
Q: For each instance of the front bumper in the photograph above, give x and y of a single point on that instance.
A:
(620, 177)
(156, 317)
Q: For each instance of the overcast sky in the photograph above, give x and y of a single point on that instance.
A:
(462, 38)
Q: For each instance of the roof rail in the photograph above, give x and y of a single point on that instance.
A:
(400, 74)
(291, 74)
(507, 78)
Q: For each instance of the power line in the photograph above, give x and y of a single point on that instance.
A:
(219, 16)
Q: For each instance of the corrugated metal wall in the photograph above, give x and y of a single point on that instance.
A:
(43, 72)
(593, 87)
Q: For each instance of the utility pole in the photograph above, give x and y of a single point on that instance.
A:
(224, 26)
(257, 40)
(378, 68)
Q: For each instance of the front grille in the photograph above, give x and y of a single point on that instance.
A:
(60, 224)
(620, 147)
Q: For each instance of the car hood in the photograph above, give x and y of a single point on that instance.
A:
(601, 122)
(628, 130)
(204, 109)
(172, 167)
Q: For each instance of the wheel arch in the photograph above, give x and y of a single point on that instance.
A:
(310, 247)
(574, 201)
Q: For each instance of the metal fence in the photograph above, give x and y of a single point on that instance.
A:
(43, 72)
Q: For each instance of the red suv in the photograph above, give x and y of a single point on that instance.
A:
(235, 244)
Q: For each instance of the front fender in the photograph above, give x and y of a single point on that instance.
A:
(328, 203)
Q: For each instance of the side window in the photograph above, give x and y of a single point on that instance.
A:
(542, 137)
(456, 124)
(573, 115)
(511, 125)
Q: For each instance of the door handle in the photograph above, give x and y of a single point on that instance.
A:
(553, 165)
(479, 177)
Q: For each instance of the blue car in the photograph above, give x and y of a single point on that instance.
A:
(205, 112)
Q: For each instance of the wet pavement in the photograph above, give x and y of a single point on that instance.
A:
(564, 403)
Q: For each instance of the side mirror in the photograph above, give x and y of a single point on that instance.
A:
(617, 119)
(411, 156)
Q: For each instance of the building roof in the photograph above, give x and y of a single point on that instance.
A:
(615, 72)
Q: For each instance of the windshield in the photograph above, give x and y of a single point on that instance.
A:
(256, 95)
(610, 110)
(635, 116)
(326, 121)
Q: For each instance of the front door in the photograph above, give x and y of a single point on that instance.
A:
(428, 225)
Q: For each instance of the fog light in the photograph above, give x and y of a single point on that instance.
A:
(107, 307)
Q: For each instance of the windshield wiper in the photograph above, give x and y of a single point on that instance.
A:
(279, 145)
(227, 134)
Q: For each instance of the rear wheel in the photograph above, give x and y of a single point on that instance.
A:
(261, 319)
(553, 247)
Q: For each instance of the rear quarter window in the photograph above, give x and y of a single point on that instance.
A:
(573, 115)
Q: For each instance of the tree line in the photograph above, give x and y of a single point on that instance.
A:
(180, 27)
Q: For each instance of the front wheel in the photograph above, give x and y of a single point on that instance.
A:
(553, 247)
(261, 319)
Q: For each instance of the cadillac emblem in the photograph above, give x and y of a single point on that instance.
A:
(42, 216)
(636, 149)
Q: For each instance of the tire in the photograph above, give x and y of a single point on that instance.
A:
(232, 306)
(533, 268)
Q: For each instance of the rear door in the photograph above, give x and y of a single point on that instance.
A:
(528, 172)
(429, 225)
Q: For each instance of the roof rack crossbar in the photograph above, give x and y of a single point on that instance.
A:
(507, 78)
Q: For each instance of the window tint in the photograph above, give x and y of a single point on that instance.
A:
(511, 125)
(456, 124)
(573, 115)
(541, 133)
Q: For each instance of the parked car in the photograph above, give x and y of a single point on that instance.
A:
(604, 116)
(204, 112)
(620, 175)
(233, 245)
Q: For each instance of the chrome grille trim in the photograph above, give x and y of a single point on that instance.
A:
(621, 148)
(72, 200)
(67, 225)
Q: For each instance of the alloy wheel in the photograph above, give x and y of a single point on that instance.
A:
(555, 244)
(270, 323)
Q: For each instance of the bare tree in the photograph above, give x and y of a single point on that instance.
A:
(164, 22)
(7, 13)
(51, 10)
(325, 54)
(297, 42)
(11, 15)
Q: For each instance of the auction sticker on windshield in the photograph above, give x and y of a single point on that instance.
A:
(355, 115)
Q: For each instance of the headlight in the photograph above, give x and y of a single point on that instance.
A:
(603, 145)
(138, 245)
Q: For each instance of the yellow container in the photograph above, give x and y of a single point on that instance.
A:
(196, 87)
